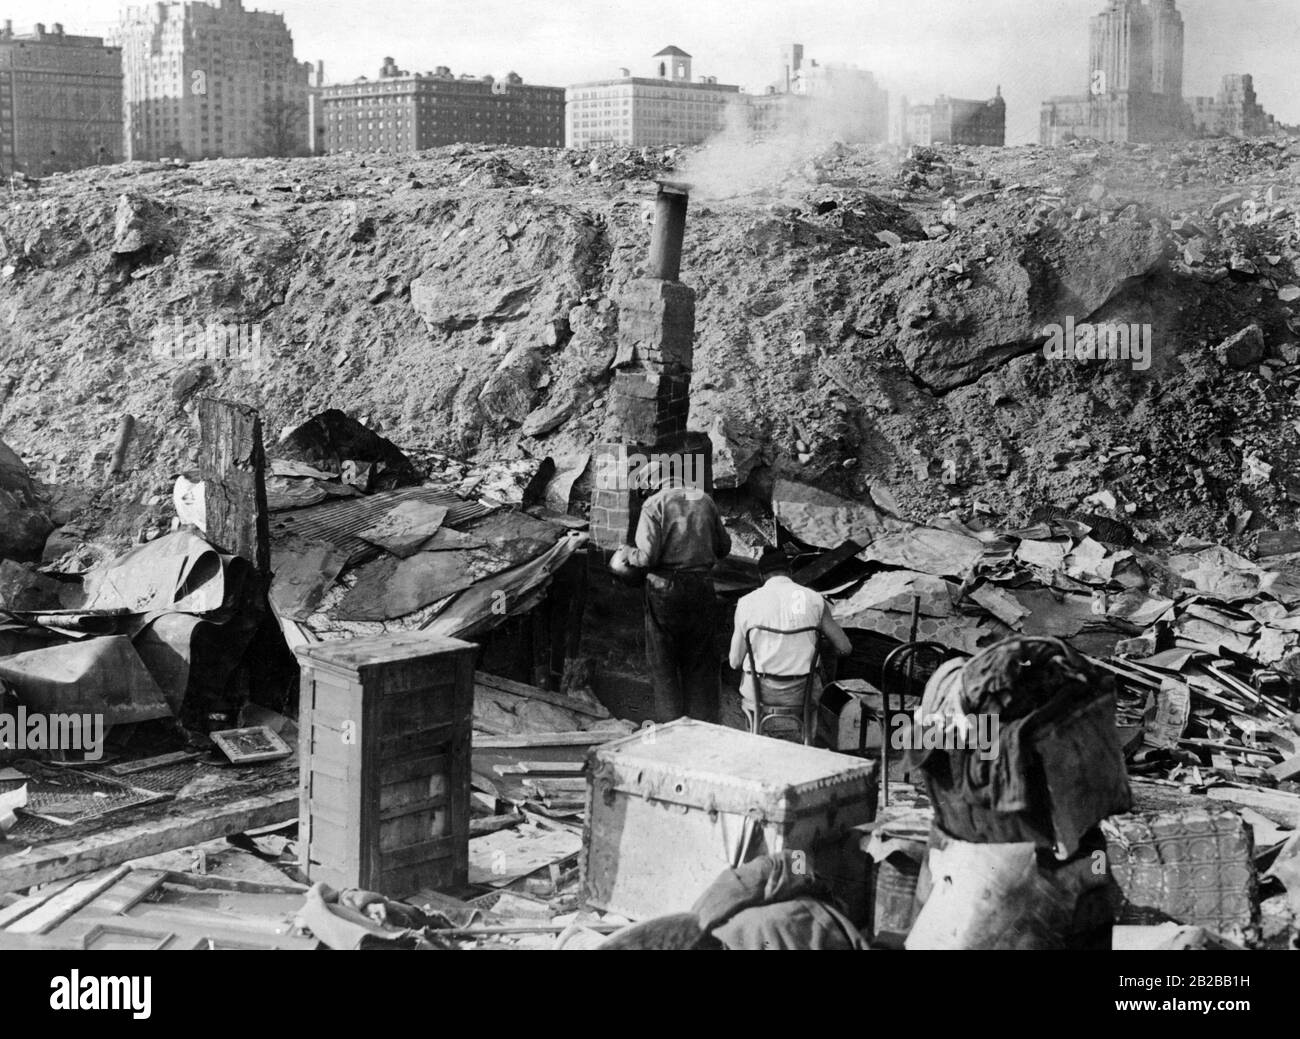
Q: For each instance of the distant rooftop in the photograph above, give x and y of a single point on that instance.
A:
(672, 52)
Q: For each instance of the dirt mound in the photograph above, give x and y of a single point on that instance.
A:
(872, 325)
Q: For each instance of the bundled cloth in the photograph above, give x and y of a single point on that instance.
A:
(1056, 769)
(1012, 896)
(772, 902)
(356, 919)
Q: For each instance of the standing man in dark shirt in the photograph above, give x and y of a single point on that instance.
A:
(679, 538)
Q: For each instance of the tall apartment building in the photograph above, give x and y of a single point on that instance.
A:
(956, 120)
(206, 81)
(1135, 79)
(315, 107)
(60, 101)
(1135, 85)
(1235, 112)
(404, 112)
(667, 107)
(1166, 49)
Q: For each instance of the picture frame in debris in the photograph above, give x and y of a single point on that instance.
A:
(116, 937)
(250, 745)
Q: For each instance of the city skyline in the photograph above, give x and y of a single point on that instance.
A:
(1031, 48)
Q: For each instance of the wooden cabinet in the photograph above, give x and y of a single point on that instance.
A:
(385, 730)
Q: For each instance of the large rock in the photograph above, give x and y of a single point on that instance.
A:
(485, 267)
(140, 225)
(595, 337)
(24, 526)
(1242, 350)
(552, 415)
(449, 307)
(22, 588)
(23, 530)
(950, 336)
(736, 451)
(14, 476)
(510, 391)
(825, 520)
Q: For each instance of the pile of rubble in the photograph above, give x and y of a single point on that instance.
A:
(866, 321)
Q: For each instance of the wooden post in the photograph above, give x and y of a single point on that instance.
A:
(575, 610)
(233, 464)
(538, 621)
(124, 431)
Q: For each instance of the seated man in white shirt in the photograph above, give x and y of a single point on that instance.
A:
(782, 662)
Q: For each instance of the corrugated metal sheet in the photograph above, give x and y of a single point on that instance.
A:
(340, 522)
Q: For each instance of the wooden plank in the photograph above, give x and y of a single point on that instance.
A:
(130, 891)
(487, 930)
(549, 788)
(492, 823)
(1277, 805)
(424, 852)
(295, 634)
(524, 740)
(540, 768)
(25, 905)
(213, 882)
(68, 901)
(391, 812)
(528, 692)
(1288, 769)
(74, 856)
(175, 757)
(826, 562)
(232, 461)
(490, 704)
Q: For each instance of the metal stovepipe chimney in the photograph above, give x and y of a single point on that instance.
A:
(669, 230)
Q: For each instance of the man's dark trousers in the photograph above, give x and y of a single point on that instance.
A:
(680, 614)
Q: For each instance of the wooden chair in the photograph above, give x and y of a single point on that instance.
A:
(760, 715)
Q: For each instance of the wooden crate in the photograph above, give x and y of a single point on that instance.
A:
(671, 807)
(385, 731)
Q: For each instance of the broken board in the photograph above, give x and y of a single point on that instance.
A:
(499, 858)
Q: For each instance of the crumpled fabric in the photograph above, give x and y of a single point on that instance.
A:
(1011, 896)
(675, 932)
(772, 902)
(762, 881)
(1059, 767)
(355, 919)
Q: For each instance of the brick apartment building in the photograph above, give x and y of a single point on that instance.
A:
(60, 101)
(668, 107)
(956, 120)
(204, 81)
(405, 112)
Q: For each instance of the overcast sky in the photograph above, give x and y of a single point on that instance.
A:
(966, 48)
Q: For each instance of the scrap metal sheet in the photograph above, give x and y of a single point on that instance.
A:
(342, 522)
(388, 588)
(944, 553)
(98, 676)
(304, 572)
(405, 528)
(476, 610)
(178, 573)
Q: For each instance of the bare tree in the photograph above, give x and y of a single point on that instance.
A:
(283, 132)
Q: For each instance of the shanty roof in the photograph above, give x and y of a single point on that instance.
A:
(671, 51)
